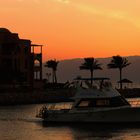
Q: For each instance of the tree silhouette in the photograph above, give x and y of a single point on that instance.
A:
(118, 62)
(53, 65)
(90, 64)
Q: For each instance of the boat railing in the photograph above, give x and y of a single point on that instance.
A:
(59, 106)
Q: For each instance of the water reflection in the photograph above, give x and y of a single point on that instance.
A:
(97, 131)
(20, 123)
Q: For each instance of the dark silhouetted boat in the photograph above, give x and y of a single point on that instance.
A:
(98, 103)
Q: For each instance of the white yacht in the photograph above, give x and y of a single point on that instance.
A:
(98, 103)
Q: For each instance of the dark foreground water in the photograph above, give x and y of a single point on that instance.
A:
(19, 123)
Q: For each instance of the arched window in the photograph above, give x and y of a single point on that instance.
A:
(36, 63)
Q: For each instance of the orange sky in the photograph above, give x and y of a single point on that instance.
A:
(76, 28)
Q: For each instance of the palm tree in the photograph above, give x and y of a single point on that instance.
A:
(90, 64)
(53, 65)
(118, 62)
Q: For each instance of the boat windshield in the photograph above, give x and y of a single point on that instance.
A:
(103, 102)
(97, 84)
(59, 106)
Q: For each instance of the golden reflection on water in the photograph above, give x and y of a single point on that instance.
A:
(59, 133)
(92, 131)
(19, 123)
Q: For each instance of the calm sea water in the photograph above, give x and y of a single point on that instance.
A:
(20, 123)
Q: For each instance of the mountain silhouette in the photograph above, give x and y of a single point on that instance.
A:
(69, 69)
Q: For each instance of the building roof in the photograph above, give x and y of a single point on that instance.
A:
(36, 45)
(4, 30)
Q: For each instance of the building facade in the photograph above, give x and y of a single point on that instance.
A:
(17, 60)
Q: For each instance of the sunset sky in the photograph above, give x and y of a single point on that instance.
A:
(76, 28)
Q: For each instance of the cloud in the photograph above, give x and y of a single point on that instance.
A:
(100, 11)
(114, 14)
(63, 1)
(35, 1)
(20, 0)
(94, 9)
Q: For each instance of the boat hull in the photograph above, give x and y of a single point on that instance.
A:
(124, 115)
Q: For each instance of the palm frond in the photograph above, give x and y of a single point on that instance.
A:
(52, 64)
(118, 62)
(90, 64)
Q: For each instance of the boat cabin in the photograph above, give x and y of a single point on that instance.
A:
(99, 95)
(87, 96)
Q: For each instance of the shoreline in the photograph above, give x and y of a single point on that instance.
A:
(49, 96)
